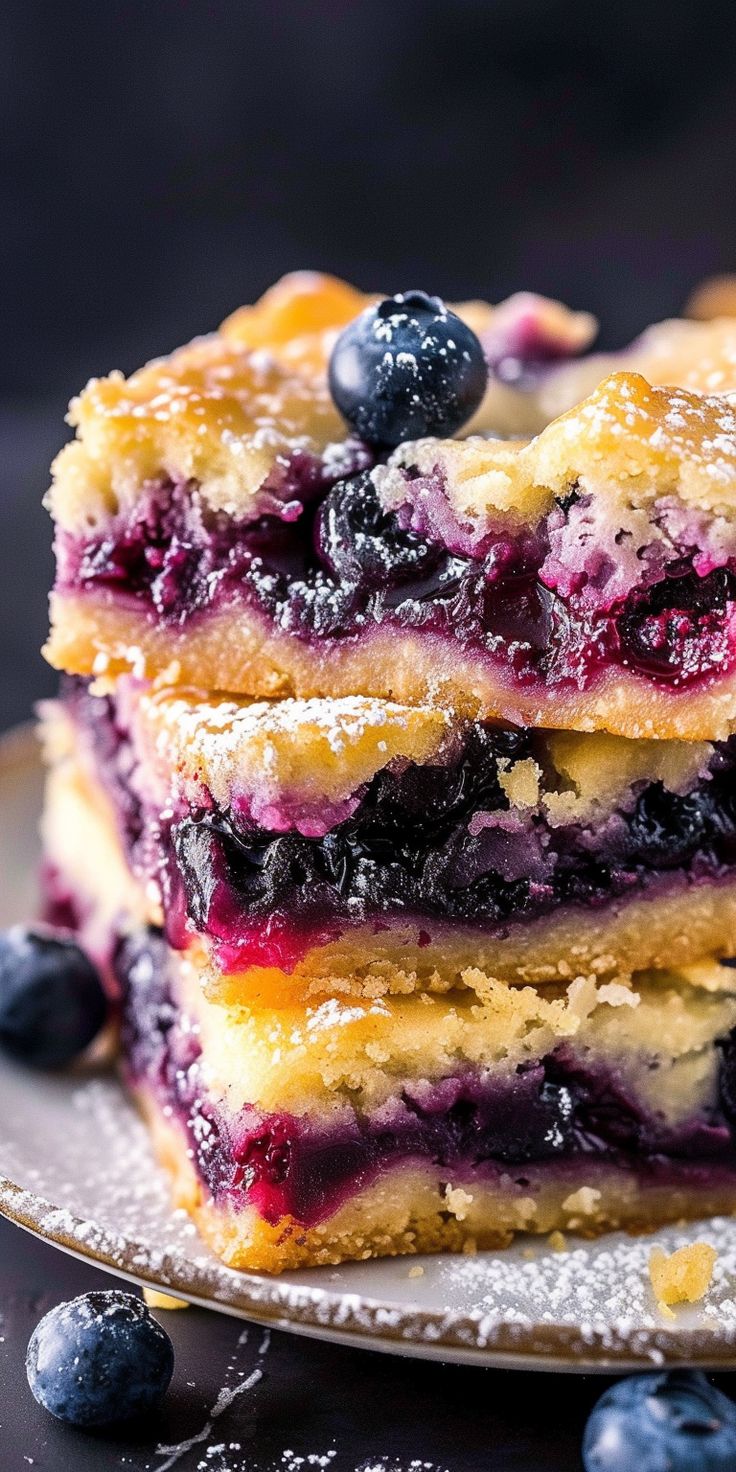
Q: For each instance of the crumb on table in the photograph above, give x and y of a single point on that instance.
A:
(154, 1299)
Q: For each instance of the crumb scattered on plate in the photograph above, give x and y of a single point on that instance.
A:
(683, 1276)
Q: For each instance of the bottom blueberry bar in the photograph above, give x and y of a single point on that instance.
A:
(356, 1129)
(354, 1126)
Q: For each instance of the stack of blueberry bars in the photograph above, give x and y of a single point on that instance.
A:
(391, 785)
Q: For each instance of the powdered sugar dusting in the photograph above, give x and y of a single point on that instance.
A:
(628, 442)
(224, 1400)
(391, 1465)
(77, 1167)
(285, 763)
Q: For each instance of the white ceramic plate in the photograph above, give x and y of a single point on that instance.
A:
(76, 1169)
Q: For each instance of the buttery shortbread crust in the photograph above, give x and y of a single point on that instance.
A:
(406, 1212)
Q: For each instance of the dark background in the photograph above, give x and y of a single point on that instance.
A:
(162, 161)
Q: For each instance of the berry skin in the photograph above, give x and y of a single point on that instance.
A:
(51, 999)
(364, 545)
(405, 369)
(99, 1359)
(669, 1422)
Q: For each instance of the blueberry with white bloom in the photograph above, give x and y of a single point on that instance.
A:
(99, 1359)
(407, 368)
(52, 1003)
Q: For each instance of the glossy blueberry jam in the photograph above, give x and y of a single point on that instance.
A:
(410, 849)
(330, 564)
(556, 1110)
(425, 843)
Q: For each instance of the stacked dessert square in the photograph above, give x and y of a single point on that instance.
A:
(391, 779)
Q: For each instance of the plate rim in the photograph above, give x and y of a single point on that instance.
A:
(277, 1303)
(348, 1317)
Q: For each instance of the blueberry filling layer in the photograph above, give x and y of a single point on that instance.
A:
(555, 1110)
(332, 564)
(425, 843)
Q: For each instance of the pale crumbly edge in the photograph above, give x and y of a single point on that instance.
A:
(229, 410)
(412, 1210)
(334, 1053)
(676, 930)
(296, 754)
(235, 649)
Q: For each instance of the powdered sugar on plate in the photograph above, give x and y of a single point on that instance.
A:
(76, 1168)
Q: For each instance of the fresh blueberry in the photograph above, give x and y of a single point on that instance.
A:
(669, 1422)
(98, 1359)
(407, 368)
(51, 999)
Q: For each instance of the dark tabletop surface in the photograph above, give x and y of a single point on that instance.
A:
(338, 1409)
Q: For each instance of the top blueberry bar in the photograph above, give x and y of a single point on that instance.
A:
(323, 499)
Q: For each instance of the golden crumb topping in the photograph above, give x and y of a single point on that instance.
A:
(213, 412)
(230, 410)
(298, 318)
(628, 446)
(698, 355)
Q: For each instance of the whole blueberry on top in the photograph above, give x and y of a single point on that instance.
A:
(51, 999)
(98, 1359)
(669, 1422)
(405, 369)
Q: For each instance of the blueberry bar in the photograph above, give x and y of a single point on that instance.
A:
(369, 1127)
(220, 521)
(362, 847)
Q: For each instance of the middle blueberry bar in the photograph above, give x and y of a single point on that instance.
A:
(362, 846)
